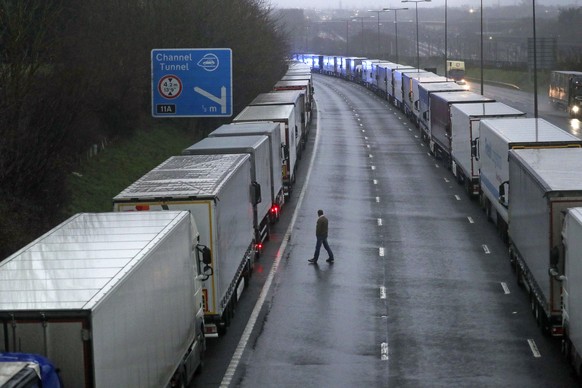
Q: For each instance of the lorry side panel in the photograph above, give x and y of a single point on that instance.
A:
(530, 224)
(544, 184)
(223, 212)
(151, 314)
(572, 285)
(108, 298)
(271, 130)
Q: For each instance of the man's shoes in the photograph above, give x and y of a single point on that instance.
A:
(330, 260)
(312, 261)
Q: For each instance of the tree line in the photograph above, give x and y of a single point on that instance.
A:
(73, 73)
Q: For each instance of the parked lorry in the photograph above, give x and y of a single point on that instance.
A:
(386, 79)
(456, 70)
(378, 80)
(367, 77)
(440, 120)
(22, 370)
(298, 99)
(410, 82)
(218, 191)
(565, 91)
(285, 116)
(258, 148)
(112, 300)
(544, 183)
(465, 120)
(397, 84)
(422, 106)
(496, 138)
(271, 130)
(572, 287)
(305, 85)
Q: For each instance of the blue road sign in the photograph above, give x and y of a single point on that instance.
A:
(192, 82)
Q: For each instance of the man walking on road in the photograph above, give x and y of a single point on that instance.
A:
(321, 234)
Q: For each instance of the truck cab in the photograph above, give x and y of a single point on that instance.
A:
(575, 97)
(22, 370)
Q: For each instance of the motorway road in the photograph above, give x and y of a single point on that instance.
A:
(421, 293)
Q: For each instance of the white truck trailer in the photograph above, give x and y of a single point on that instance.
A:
(465, 120)
(285, 116)
(271, 130)
(258, 148)
(544, 183)
(113, 300)
(440, 120)
(305, 85)
(422, 105)
(397, 84)
(410, 82)
(572, 287)
(496, 138)
(290, 97)
(217, 190)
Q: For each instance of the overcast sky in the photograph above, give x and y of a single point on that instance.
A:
(378, 4)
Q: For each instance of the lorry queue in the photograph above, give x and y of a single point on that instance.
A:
(128, 298)
(525, 172)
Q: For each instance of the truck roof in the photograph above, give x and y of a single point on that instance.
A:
(291, 83)
(426, 77)
(246, 128)
(528, 130)
(265, 112)
(556, 169)
(434, 87)
(452, 97)
(484, 109)
(278, 98)
(231, 144)
(192, 176)
(76, 264)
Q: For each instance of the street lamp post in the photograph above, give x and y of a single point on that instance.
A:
(535, 62)
(378, 37)
(362, 32)
(417, 44)
(481, 47)
(446, 34)
(395, 26)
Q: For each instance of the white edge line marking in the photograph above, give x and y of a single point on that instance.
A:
(505, 288)
(382, 292)
(457, 197)
(384, 351)
(471, 220)
(237, 355)
(534, 348)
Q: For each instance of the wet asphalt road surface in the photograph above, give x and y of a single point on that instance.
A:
(421, 293)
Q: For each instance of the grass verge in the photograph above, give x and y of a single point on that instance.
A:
(105, 175)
